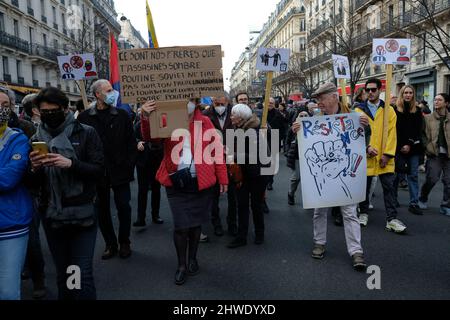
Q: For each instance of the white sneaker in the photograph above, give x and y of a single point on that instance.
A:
(422, 169)
(395, 226)
(363, 219)
(445, 210)
(370, 206)
(423, 205)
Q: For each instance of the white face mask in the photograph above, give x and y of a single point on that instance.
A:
(191, 107)
(220, 110)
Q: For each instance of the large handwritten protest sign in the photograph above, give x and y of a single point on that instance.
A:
(167, 74)
(332, 153)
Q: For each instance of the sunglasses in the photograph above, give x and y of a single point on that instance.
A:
(371, 89)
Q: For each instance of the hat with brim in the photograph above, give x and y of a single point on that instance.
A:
(324, 89)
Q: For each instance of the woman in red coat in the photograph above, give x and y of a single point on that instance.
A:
(191, 167)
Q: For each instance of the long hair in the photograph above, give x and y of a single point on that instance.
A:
(401, 102)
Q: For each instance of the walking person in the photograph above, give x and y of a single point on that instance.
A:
(436, 139)
(65, 178)
(115, 129)
(250, 190)
(190, 182)
(16, 208)
(409, 145)
(328, 101)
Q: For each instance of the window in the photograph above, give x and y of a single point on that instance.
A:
(33, 72)
(54, 14)
(19, 68)
(44, 38)
(5, 65)
(302, 25)
(43, 7)
(31, 34)
(16, 28)
(2, 22)
(391, 14)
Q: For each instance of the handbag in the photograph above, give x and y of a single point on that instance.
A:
(182, 179)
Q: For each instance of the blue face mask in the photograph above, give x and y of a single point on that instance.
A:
(111, 98)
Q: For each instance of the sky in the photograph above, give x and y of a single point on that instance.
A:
(201, 22)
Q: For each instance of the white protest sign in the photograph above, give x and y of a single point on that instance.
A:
(391, 51)
(78, 67)
(273, 59)
(332, 153)
(341, 67)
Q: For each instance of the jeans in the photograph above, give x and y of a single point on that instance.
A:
(12, 258)
(73, 246)
(387, 182)
(122, 197)
(146, 178)
(251, 190)
(435, 167)
(352, 228)
(412, 178)
(232, 206)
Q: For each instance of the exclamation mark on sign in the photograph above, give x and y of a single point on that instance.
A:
(355, 164)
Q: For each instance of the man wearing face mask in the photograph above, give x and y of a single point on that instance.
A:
(220, 115)
(115, 129)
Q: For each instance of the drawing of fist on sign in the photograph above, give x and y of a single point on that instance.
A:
(328, 162)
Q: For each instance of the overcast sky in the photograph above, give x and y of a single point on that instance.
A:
(201, 22)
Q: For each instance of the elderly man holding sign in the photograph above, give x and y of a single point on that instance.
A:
(328, 101)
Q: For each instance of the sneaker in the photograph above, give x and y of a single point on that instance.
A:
(291, 199)
(358, 262)
(414, 209)
(370, 206)
(422, 168)
(423, 205)
(203, 238)
(363, 219)
(318, 251)
(445, 210)
(396, 226)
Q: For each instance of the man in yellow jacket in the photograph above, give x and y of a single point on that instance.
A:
(380, 162)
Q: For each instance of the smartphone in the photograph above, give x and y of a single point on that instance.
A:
(41, 147)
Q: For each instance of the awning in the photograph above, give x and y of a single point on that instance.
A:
(24, 90)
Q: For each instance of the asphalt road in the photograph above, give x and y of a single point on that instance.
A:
(413, 266)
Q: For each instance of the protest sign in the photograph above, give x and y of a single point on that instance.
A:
(273, 59)
(168, 74)
(341, 67)
(332, 153)
(391, 51)
(78, 67)
(169, 116)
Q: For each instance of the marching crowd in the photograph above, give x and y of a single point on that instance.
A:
(58, 166)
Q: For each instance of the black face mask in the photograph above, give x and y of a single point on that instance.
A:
(53, 120)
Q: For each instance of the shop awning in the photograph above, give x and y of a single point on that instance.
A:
(24, 90)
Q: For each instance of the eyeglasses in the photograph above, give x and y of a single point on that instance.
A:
(371, 89)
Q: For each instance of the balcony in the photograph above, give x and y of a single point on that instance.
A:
(106, 16)
(44, 19)
(14, 42)
(36, 83)
(311, 63)
(7, 77)
(30, 11)
(362, 3)
(319, 29)
(21, 81)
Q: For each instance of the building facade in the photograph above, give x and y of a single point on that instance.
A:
(285, 28)
(33, 33)
(129, 37)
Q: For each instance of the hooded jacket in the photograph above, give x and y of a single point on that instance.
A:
(16, 208)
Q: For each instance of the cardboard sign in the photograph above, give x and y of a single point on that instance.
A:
(170, 74)
(169, 116)
(341, 67)
(273, 59)
(391, 51)
(78, 67)
(332, 153)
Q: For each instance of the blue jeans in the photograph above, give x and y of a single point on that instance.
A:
(73, 245)
(12, 258)
(412, 178)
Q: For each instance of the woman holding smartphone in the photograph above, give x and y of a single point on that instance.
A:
(189, 182)
(16, 207)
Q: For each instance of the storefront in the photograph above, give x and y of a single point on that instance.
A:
(424, 81)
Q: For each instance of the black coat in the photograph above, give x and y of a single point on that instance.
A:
(119, 144)
(409, 131)
(214, 117)
(153, 151)
(88, 168)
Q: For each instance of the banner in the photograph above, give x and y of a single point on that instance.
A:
(168, 74)
(78, 67)
(332, 153)
(391, 51)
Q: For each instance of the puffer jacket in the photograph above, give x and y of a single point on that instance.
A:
(16, 208)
